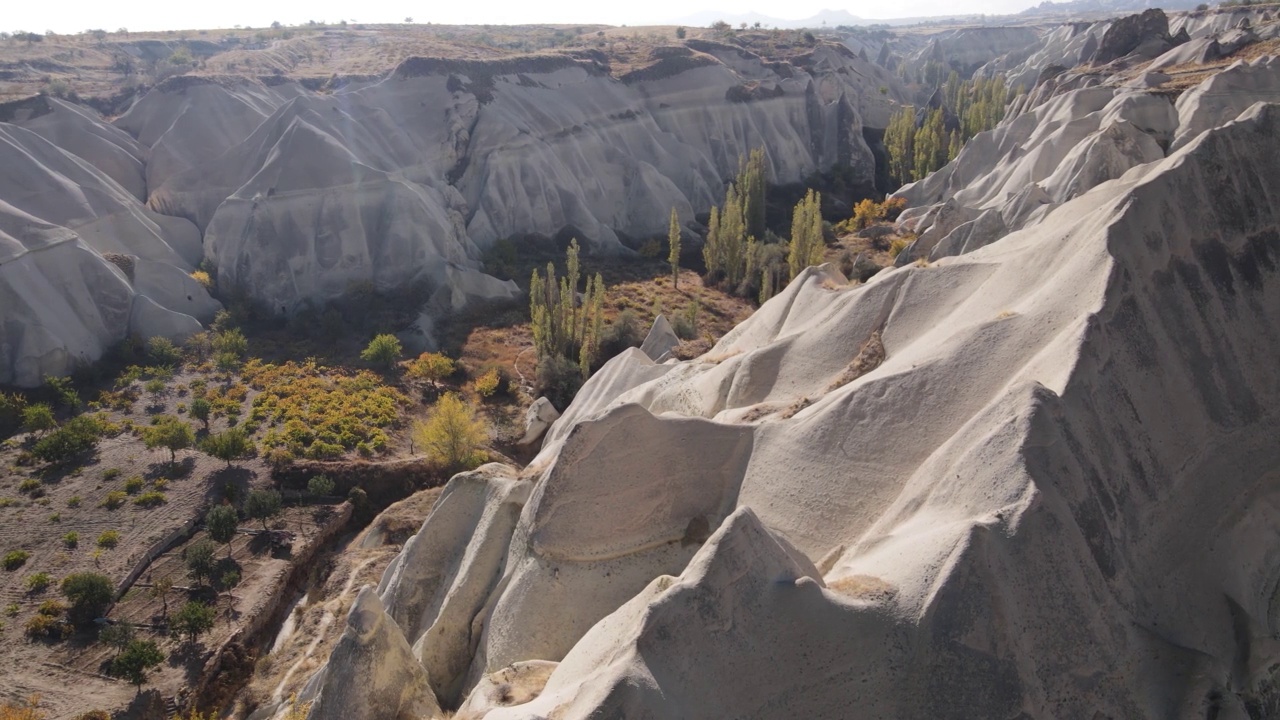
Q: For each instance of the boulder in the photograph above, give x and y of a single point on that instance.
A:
(537, 420)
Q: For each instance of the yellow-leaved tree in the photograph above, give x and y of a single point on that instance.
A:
(452, 434)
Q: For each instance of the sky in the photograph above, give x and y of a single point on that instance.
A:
(70, 16)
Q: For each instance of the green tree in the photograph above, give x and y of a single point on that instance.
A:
(117, 635)
(138, 658)
(452, 433)
(198, 557)
(90, 594)
(673, 241)
(200, 410)
(383, 351)
(231, 342)
(169, 433)
(431, 368)
(38, 418)
(806, 234)
(160, 591)
(162, 351)
(228, 445)
(78, 435)
(262, 505)
(222, 523)
(192, 620)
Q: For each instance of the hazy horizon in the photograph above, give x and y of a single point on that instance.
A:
(79, 15)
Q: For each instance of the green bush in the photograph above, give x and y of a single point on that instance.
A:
(113, 500)
(228, 445)
(133, 484)
(193, 620)
(71, 539)
(263, 505)
(150, 499)
(138, 658)
(39, 582)
(15, 559)
(38, 418)
(382, 351)
(109, 539)
(77, 436)
(90, 594)
(162, 351)
(320, 485)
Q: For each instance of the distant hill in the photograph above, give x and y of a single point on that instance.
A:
(824, 18)
(1073, 7)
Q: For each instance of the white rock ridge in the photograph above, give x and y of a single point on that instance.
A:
(1033, 480)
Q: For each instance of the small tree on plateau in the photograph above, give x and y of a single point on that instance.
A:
(193, 620)
(262, 505)
(136, 661)
(221, 522)
(200, 410)
(383, 351)
(169, 433)
(228, 445)
(89, 593)
(673, 239)
(431, 368)
(453, 434)
(199, 559)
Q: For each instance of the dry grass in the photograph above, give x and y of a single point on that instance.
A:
(869, 357)
(864, 587)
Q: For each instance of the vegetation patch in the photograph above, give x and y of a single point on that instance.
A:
(320, 412)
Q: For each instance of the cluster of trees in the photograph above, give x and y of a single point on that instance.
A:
(566, 330)
(921, 142)
(730, 248)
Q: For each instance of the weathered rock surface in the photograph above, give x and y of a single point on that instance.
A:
(660, 340)
(83, 263)
(537, 419)
(1069, 427)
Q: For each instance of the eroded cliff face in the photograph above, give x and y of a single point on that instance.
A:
(296, 196)
(1033, 477)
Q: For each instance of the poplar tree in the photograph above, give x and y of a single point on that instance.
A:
(806, 234)
(673, 257)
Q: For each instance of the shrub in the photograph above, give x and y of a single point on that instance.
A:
(7, 502)
(77, 436)
(193, 620)
(109, 539)
(382, 351)
(111, 474)
(30, 486)
(897, 246)
(39, 582)
(90, 594)
(624, 332)
(162, 351)
(113, 500)
(11, 407)
(487, 384)
(452, 433)
(62, 390)
(558, 379)
(15, 559)
(74, 501)
(46, 627)
(133, 484)
(38, 418)
(150, 499)
(203, 278)
(230, 342)
(71, 539)
(320, 485)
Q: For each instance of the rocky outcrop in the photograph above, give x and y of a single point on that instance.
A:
(781, 526)
(537, 419)
(1145, 34)
(371, 671)
(660, 340)
(66, 228)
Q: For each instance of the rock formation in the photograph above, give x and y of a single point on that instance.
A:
(1032, 478)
